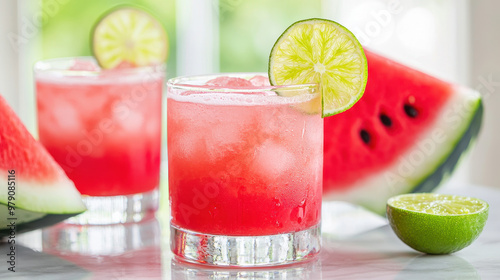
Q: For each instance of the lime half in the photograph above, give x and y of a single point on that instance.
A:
(437, 223)
(323, 52)
(129, 37)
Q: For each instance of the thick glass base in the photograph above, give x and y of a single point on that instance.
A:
(180, 270)
(101, 240)
(105, 210)
(245, 251)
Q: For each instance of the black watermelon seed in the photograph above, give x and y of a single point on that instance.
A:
(385, 120)
(365, 136)
(410, 111)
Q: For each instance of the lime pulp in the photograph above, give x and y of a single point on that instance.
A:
(323, 52)
(437, 223)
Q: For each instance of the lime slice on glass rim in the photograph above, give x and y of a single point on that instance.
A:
(323, 52)
(127, 36)
(437, 223)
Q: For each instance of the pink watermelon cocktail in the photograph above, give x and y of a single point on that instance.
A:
(103, 128)
(243, 162)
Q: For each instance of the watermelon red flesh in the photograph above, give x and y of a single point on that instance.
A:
(41, 184)
(347, 157)
(351, 162)
(20, 152)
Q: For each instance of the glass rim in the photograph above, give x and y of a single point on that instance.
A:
(179, 83)
(47, 66)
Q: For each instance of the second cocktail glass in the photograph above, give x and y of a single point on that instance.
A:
(245, 170)
(104, 128)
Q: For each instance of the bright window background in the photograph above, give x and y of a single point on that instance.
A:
(248, 30)
(448, 38)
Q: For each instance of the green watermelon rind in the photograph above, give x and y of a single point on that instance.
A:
(433, 174)
(25, 226)
(58, 197)
(38, 183)
(25, 220)
(461, 147)
(39, 204)
(448, 163)
(28, 220)
(38, 193)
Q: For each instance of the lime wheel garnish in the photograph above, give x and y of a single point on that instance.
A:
(129, 37)
(323, 52)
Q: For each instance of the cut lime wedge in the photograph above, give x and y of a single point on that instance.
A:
(129, 37)
(437, 223)
(323, 52)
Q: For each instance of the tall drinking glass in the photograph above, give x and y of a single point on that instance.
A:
(104, 128)
(245, 170)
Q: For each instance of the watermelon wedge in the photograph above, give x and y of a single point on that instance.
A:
(406, 134)
(35, 192)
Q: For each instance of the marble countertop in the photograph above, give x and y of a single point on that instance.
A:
(356, 245)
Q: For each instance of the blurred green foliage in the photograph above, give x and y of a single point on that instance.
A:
(248, 28)
(68, 24)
